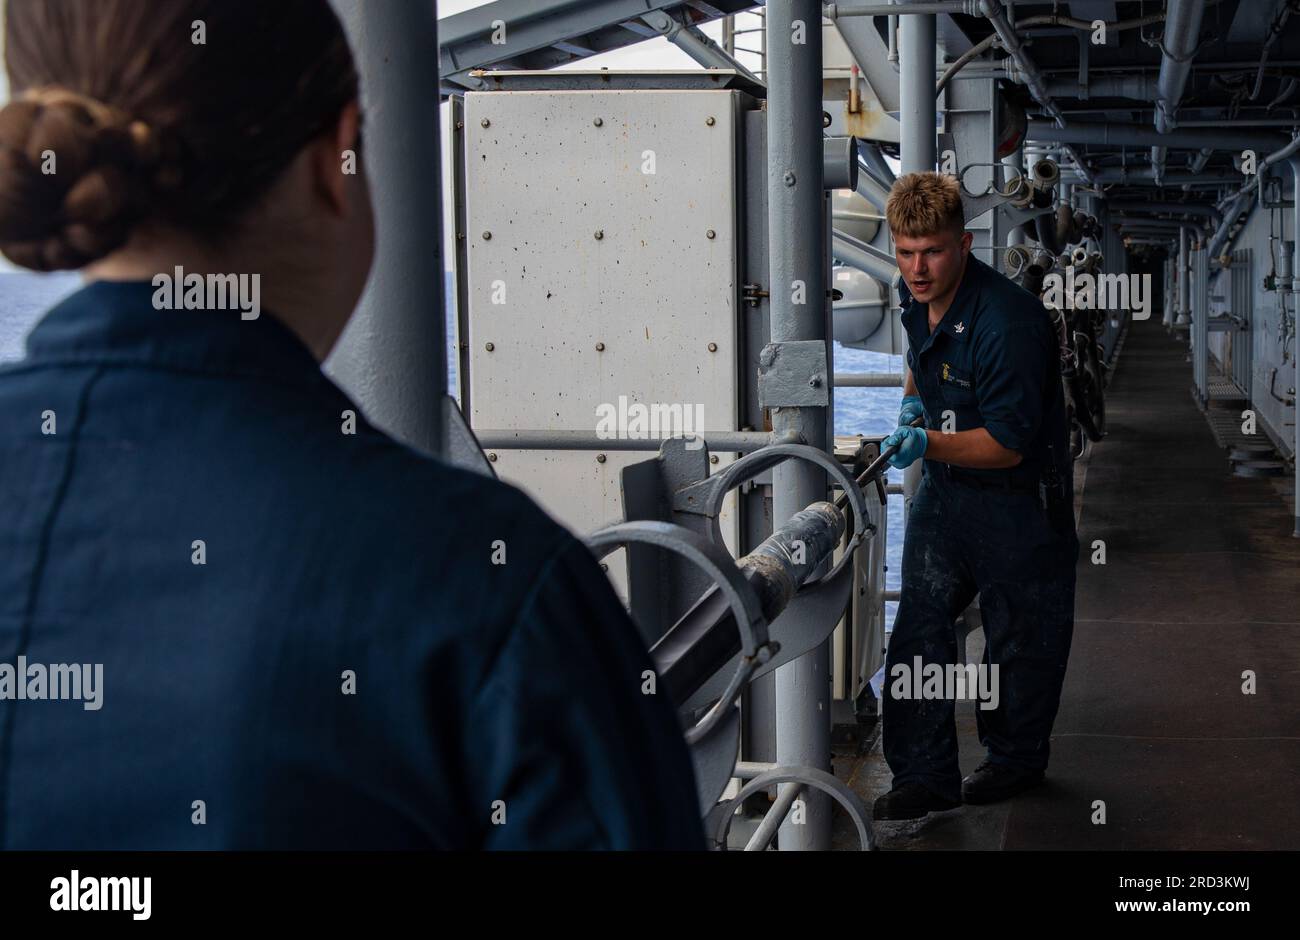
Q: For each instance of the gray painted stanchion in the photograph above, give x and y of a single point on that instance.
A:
(393, 356)
(797, 257)
(1295, 297)
(1184, 307)
(916, 53)
(1201, 323)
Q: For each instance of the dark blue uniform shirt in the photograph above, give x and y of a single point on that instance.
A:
(992, 362)
(495, 705)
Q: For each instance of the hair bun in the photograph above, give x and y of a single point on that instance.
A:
(75, 177)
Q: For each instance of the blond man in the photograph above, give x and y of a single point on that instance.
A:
(992, 515)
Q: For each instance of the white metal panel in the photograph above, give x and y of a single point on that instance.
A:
(577, 320)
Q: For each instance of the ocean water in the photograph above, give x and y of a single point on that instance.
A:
(24, 297)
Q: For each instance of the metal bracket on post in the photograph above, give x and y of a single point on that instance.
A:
(723, 815)
(1017, 216)
(794, 375)
(755, 649)
(811, 614)
(705, 498)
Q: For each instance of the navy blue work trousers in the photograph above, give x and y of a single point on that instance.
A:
(1020, 558)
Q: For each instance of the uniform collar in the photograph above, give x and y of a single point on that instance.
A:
(957, 321)
(115, 322)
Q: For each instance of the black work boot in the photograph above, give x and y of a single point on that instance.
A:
(993, 782)
(910, 801)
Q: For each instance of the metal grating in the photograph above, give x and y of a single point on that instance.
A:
(1222, 388)
(1225, 425)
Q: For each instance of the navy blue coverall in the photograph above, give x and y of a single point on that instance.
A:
(492, 705)
(991, 362)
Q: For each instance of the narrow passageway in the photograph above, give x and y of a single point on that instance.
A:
(1200, 585)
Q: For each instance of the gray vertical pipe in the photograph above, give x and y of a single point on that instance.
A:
(1169, 293)
(1200, 322)
(1295, 307)
(1182, 35)
(1183, 305)
(797, 252)
(916, 115)
(917, 135)
(1015, 164)
(393, 356)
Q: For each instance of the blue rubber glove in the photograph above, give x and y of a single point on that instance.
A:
(911, 410)
(912, 441)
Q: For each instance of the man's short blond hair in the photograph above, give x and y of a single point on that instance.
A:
(924, 204)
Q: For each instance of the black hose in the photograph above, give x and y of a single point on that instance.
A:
(1045, 232)
(1033, 279)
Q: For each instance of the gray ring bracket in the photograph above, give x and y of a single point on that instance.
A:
(809, 776)
(705, 498)
(721, 567)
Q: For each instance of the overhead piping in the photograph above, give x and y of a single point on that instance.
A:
(1177, 49)
(1172, 207)
(1237, 203)
(1046, 19)
(1274, 30)
(1033, 78)
(1130, 135)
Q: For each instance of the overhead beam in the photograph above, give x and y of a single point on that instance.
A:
(1132, 135)
(508, 29)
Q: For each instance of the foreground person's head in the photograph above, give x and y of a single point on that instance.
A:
(220, 136)
(931, 243)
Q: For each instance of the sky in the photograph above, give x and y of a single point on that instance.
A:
(650, 54)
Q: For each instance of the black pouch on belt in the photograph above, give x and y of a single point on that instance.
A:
(1052, 493)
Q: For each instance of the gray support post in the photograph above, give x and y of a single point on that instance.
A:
(1168, 320)
(916, 116)
(797, 258)
(916, 92)
(1295, 307)
(1200, 322)
(393, 356)
(1183, 305)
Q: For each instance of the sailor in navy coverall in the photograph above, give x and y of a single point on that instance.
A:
(1006, 533)
(494, 706)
